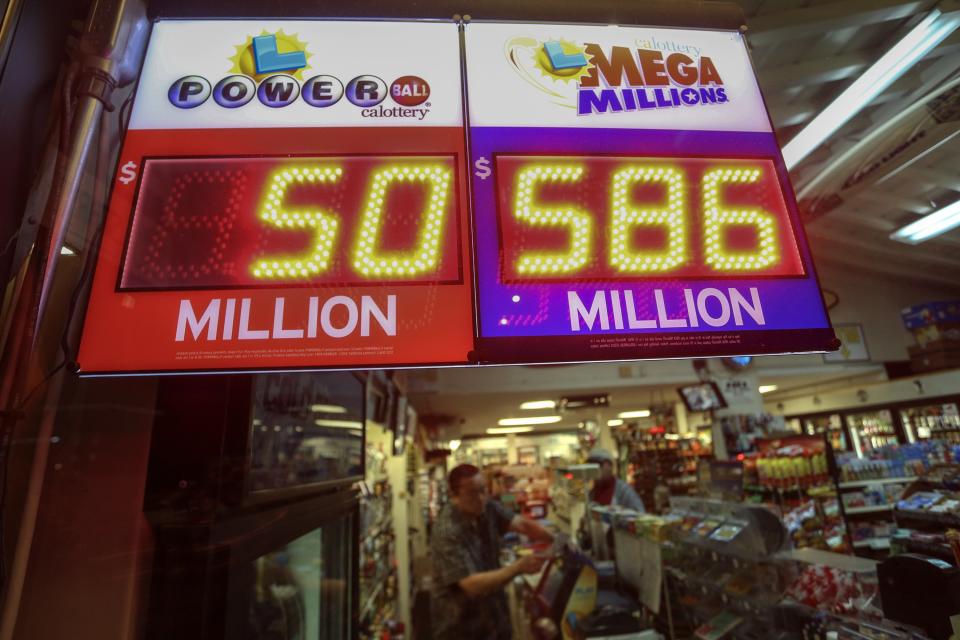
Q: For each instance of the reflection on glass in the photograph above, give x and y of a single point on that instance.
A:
(307, 428)
(300, 591)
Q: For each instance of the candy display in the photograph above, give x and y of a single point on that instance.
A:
(817, 524)
(832, 590)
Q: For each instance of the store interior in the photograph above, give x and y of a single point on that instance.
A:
(785, 497)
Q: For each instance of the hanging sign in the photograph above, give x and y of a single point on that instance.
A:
(293, 194)
(630, 199)
(288, 196)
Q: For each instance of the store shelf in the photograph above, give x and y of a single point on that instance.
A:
(865, 483)
(839, 561)
(879, 508)
(872, 543)
(940, 518)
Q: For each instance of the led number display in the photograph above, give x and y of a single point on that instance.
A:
(242, 222)
(612, 218)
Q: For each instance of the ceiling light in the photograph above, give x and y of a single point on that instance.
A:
(642, 413)
(327, 408)
(538, 404)
(454, 445)
(614, 423)
(767, 388)
(930, 32)
(513, 422)
(930, 225)
(67, 251)
(339, 424)
(495, 431)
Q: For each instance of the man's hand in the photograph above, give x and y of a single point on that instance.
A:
(487, 582)
(531, 529)
(528, 564)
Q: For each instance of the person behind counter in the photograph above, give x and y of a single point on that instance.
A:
(609, 489)
(468, 600)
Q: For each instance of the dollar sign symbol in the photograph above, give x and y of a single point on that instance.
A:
(483, 168)
(128, 172)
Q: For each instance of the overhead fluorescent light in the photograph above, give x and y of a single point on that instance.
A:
(928, 33)
(539, 404)
(514, 422)
(930, 225)
(642, 413)
(768, 388)
(327, 408)
(615, 422)
(339, 424)
(497, 431)
(67, 251)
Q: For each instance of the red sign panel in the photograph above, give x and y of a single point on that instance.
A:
(319, 257)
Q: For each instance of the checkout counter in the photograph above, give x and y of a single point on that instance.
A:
(571, 600)
(578, 595)
(715, 570)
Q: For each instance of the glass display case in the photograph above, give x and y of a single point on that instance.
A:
(301, 589)
(305, 430)
(253, 509)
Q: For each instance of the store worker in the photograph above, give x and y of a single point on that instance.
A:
(608, 488)
(469, 602)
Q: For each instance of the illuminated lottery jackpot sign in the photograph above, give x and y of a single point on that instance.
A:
(293, 194)
(630, 199)
(288, 196)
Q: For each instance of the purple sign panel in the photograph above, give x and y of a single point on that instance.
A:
(602, 232)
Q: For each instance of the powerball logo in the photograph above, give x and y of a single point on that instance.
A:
(654, 74)
(275, 69)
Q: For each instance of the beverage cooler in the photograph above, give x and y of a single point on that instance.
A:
(934, 421)
(251, 502)
(864, 430)
(830, 424)
(872, 430)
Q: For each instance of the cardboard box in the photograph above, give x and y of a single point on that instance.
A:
(928, 313)
(932, 334)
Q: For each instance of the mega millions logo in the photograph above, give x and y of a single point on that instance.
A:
(275, 69)
(653, 74)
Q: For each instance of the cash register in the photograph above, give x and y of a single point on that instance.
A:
(920, 591)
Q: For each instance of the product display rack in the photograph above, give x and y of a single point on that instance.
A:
(871, 494)
(727, 572)
(652, 457)
(378, 571)
(924, 531)
(743, 581)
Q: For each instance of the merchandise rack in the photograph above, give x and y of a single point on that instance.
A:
(931, 526)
